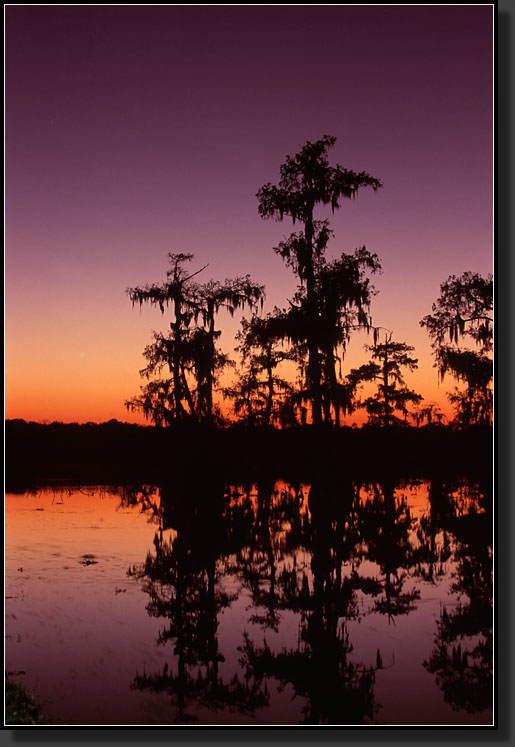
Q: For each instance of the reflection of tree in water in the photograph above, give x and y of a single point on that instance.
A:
(386, 525)
(258, 561)
(434, 548)
(300, 550)
(462, 655)
(274, 516)
(182, 579)
(146, 498)
(337, 690)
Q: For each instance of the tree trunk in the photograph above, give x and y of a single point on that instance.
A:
(270, 384)
(331, 386)
(176, 363)
(210, 369)
(386, 419)
(313, 369)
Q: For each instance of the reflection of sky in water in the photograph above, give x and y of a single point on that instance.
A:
(81, 632)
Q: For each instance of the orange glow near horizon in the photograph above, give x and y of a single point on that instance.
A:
(91, 385)
(89, 397)
(79, 370)
(80, 363)
(65, 406)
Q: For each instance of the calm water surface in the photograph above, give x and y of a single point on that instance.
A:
(339, 602)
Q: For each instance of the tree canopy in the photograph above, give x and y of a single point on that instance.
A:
(464, 313)
(292, 359)
(190, 349)
(328, 290)
(385, 367)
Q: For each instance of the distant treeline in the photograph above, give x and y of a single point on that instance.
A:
(121, 453)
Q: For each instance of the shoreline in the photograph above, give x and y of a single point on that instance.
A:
(115, 453)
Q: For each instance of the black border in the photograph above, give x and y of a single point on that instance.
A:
(504, 714)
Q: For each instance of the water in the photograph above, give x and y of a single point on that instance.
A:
(207, 602)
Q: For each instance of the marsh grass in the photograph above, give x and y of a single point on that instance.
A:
(20, 707)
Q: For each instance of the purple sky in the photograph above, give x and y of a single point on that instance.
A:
(135, 131)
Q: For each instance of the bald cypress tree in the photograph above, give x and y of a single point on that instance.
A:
(385, 368)
(461, 332)
(189, 351)
(306, 181)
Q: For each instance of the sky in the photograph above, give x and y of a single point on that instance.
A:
(135, 131)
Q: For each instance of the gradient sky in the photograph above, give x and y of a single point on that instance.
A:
(135, 131)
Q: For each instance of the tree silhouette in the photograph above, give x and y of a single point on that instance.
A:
(343, 295)
(429, 413)
(464, 311)
(231, 295)
(168, 400)
(189, 350)
(259, 394)
(307, 180)
(388, 358)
